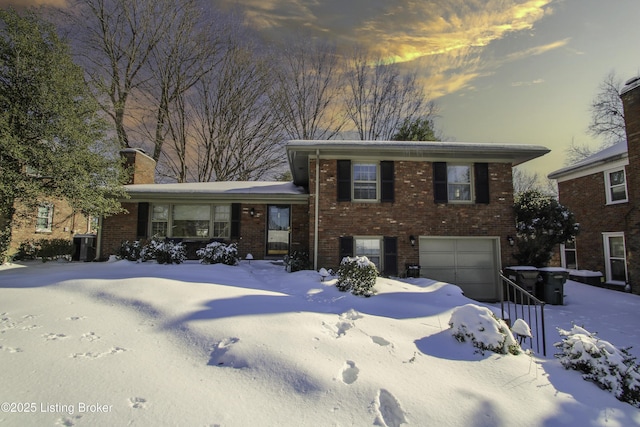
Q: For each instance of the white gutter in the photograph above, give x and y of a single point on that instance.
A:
(317, 210)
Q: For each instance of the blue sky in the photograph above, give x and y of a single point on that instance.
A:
(511, 71)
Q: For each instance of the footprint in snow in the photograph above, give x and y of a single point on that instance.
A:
(350, 372)
(380, 341)
(54, 337)
(91, 355)
(75, 318)
(90, 336)
(68, 422)
(11, 349)
(221, 356)
(390, 413)
(138, 402)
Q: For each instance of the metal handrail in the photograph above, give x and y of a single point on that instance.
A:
(531, 311)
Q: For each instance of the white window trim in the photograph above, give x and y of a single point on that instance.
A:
(472, 195)
(381, 248)
(49, 227)
(169, 220)
(354, 163)
(607, 185)
(607, 257)
(563, 258)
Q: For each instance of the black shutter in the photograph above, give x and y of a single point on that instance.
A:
(236, 210)
(440, 182)
(143, 220)
(386, 181)
(481, 171)
(391, 256)
(344, 180)
(346, 247)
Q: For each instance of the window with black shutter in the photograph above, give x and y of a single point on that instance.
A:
(346, 246)
(481, 171)
(143, 220)
(440, 182)
(390, 256)
(344, 180)
(236, 210)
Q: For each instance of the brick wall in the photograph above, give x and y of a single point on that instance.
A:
(253, 229)
(594, 217)
(412, 213)
(631, 102)
(66, 224)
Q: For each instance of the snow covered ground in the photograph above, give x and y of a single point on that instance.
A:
(120, 343)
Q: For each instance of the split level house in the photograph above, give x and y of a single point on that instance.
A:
(445, 208)
(603, 191)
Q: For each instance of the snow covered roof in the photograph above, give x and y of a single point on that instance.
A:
(299, 151)
(615, 152)
(269, 191)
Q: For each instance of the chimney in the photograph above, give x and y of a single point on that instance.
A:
(142, 168)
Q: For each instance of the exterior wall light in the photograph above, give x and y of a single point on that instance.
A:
(511, 240)
(252, 212)
(412, 240)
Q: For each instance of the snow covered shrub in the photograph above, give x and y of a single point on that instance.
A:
(599, 361)
(484, 330)
(163, 251)
(129, 250)
(27, 250)
(296, 261)
(357, 275)
(217, 252)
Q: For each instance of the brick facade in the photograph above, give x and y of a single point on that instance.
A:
(631, 103)
(413, 212)
(66, 224)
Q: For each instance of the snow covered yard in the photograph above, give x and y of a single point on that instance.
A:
(101, 344)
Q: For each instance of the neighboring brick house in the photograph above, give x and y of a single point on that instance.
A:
(53, 219)
(603, 191)
(444, 206)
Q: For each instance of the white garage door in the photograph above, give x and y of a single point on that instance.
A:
(471, 263)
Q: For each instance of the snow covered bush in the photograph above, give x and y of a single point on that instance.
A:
(296, 261)
(129, 250)
(484, 330)
(163, 251)
(217, 252)
(599, 361)
(357, 275)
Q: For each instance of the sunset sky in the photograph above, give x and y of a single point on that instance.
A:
(512, 71)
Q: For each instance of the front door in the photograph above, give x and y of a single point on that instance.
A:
(278, 229)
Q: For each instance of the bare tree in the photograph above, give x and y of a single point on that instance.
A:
(232, 132)
(607, 113)
(115, 39)
(380, 97)
(306, 96)
(184, 54)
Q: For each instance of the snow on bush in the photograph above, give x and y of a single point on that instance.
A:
(484, 330)
(163, 251)
(610, 368)
(357, 275)
(129, 250)
(219, 253)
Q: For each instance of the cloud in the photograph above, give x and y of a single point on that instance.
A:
(20, 4)
(444, 38)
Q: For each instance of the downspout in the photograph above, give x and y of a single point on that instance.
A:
(317, 210)
(99, 238)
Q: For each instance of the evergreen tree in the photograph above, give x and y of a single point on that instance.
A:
(52, 140)
(420, 129)
(542, 223)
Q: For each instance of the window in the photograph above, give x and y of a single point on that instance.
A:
(371, 248)
(191, 221)
(365, 181)
(44, 220)
(459, 183)
(615, 258)
(616, 186)
(221, 220)
(569, 257)
(159, 220)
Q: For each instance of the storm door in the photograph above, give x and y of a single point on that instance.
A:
(278, 229)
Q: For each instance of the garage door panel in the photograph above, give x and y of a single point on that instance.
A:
(439, 260)
(471, 263)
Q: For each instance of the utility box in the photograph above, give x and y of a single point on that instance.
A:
(552, 280)
(84, 247)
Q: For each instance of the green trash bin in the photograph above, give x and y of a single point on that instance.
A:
(524, 276)
(552, 280)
